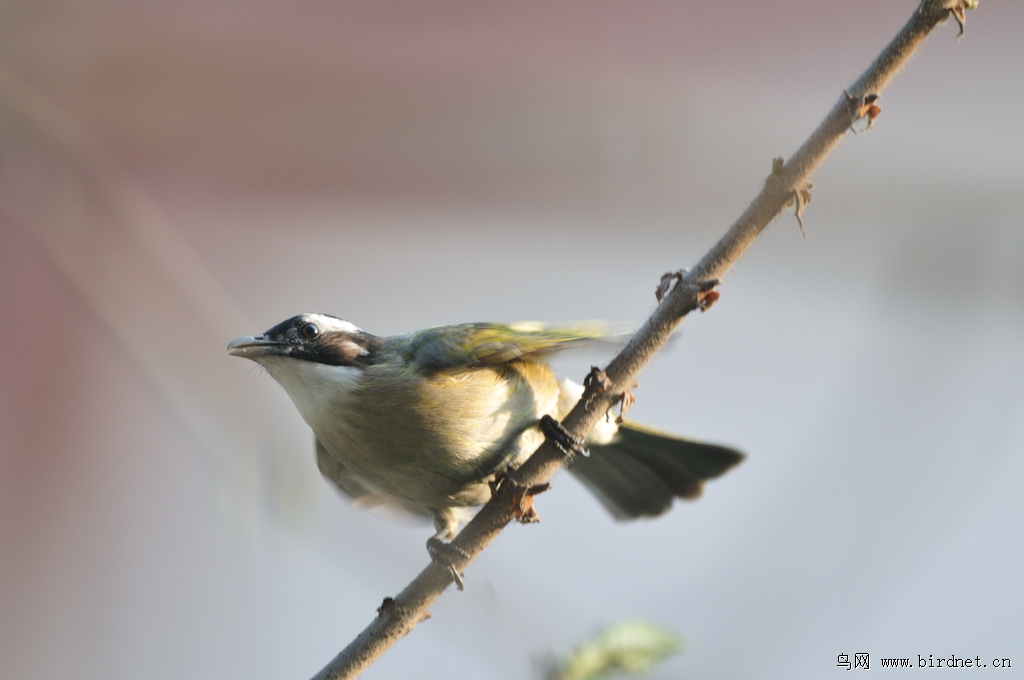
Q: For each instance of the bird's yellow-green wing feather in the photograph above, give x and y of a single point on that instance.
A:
(491, 344)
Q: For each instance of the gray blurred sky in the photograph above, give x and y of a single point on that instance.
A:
(172, 176)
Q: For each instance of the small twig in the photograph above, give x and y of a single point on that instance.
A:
(692, 291)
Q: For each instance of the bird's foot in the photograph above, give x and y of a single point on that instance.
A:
(445, 555)
(556, 433)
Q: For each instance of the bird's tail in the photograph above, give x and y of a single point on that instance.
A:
(639, 471)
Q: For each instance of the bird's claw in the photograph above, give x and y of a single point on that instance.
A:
(556, 433)
(445, 556)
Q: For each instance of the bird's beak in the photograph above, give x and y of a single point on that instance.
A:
(252, 346)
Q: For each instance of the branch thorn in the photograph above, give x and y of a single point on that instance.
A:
(958, 10)
(802, 197)
(863, 107)
(665, 284)
(626, 401)
(522, 496)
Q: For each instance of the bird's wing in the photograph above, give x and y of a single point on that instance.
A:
(490, 344)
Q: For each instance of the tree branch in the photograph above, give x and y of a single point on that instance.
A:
(788, 182)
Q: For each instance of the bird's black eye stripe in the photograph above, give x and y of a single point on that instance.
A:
(309, 330)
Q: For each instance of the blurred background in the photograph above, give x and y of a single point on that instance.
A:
(175, 175)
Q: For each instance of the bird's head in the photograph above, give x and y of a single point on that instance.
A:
(314, 357)
(316, 338)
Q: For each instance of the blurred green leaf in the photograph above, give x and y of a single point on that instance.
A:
(630, 647)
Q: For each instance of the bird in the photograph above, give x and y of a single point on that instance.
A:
(424, 420)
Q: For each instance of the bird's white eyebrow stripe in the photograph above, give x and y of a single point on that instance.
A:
(333, 323)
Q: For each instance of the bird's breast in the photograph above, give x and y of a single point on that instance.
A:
(435, 439)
